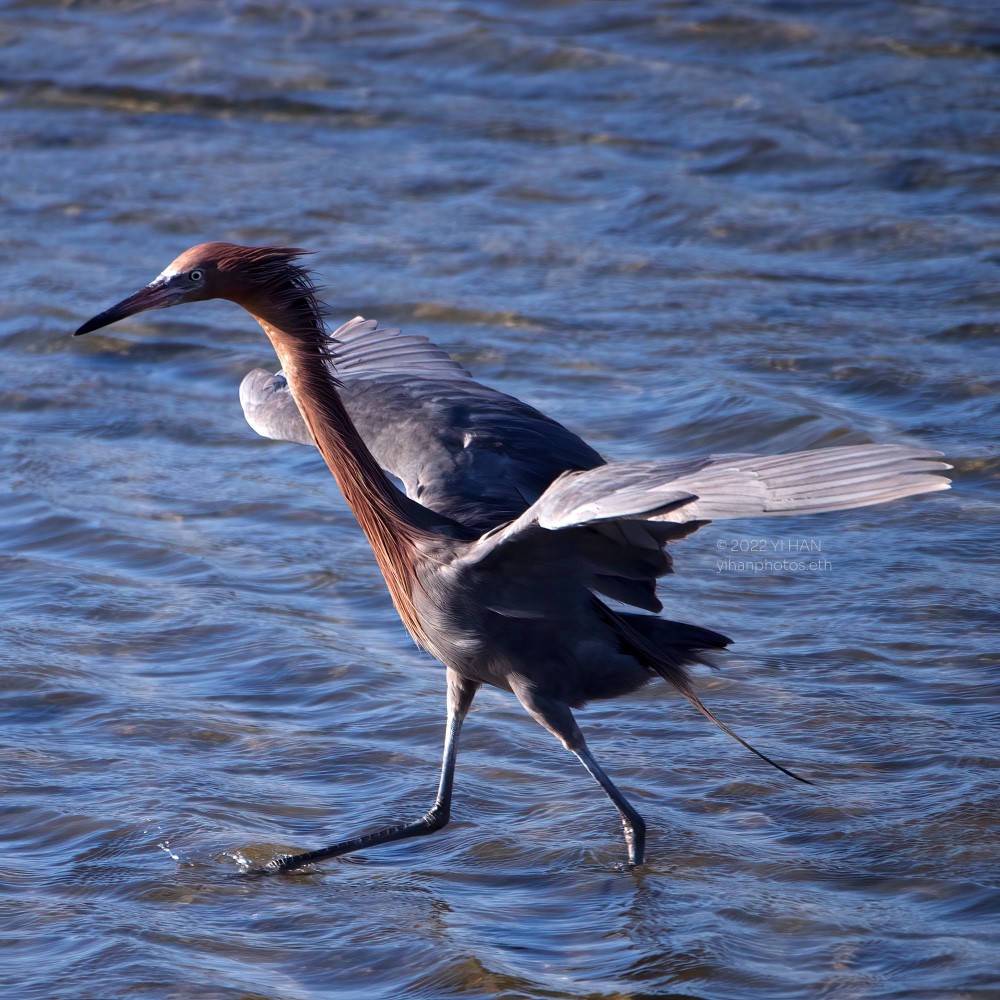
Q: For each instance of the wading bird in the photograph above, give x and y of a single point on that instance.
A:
(517, 606)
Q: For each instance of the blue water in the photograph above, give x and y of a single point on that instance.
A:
(676, 227)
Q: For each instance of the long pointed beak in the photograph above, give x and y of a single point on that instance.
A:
(156, 295)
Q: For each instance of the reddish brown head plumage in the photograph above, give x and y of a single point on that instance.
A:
(260, 278)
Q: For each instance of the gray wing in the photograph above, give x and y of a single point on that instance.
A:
(697, 489)
(460, 448)
(808, 482)
(270, 409)
(614, 520)
(363, 350)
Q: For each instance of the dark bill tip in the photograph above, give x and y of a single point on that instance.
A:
(94, 324)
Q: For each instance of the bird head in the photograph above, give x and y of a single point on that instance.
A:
(247, 275)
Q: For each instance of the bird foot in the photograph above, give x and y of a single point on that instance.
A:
(288, 862)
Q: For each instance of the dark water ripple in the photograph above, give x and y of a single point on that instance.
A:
(678, 228)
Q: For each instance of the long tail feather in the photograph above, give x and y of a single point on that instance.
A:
(672, 669)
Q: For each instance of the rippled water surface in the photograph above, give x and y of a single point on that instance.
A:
(676, 227)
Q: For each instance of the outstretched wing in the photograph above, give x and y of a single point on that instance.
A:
(363, 351)
(808, 482)
(611, 520)
(270, 408)
(728, 486)
(460, 448)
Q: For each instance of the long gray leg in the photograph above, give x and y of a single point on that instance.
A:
(460, 695)
(557, 718)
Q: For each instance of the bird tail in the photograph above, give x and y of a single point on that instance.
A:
(676, 643)
(666, 648)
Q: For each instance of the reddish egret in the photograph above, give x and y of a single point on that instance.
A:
(516, 607)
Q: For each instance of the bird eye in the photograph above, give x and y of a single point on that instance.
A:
(196, 274)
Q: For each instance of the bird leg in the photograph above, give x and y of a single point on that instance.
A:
(557, 718)
(460, 695)
(633, 824)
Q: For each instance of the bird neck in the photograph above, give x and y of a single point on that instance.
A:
(394, 525)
